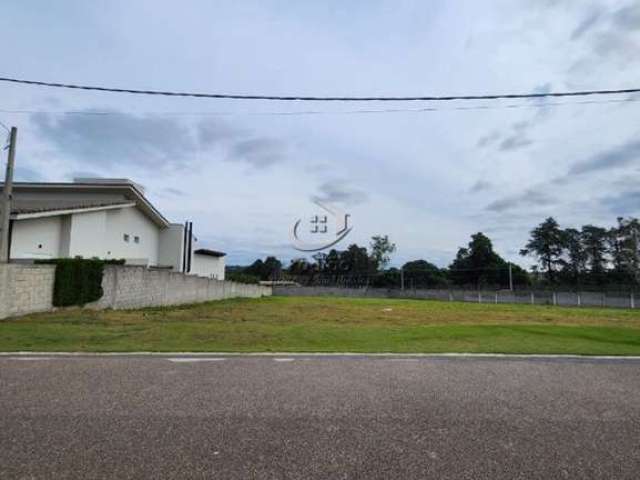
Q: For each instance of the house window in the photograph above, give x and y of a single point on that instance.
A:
(126, 237)
(136, 239)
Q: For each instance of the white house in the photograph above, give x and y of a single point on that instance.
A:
(103, 218)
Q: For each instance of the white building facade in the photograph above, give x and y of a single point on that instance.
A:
(102, 218)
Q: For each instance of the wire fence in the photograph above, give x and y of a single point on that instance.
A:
(464, 280)
(531, 297)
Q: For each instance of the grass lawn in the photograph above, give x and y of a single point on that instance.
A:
(299, 324)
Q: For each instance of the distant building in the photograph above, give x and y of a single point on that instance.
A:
(103, 218)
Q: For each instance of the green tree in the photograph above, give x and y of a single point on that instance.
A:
(355, 259)
(547, 244)
(269, 269)
(479, 265)
(624, 247)
(594, 241)
(576, 264)
(381, 250)
(422, 274)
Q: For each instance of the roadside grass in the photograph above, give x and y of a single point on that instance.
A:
(314, 324)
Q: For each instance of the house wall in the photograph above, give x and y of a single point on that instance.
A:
(94, 234)
(36, 238)
(132, 222)
(87, 234)
(208, 266)
(170, 247)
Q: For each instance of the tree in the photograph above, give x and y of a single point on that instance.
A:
(355, 260)
(547, 243)
(594, 241)
(577, 257)
(300, 266)
(479, 265)
(624, 247)
(270, 269)
(381, 249)
(422, 274)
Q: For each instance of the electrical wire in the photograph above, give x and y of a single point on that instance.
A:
(319, 112)
(319, 98)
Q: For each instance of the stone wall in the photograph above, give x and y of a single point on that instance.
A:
(25, 289)
(137, 287)
(29, 288)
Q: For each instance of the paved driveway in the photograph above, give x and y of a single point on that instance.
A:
(328, 417)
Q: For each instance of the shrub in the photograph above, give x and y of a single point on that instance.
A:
(241, 277)
(78, 281)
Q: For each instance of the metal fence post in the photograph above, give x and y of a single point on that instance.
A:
(579, 299)
(496, 296)
(450, 296)
(632, 301)
(479, 297)
(533, 298)
(555, 299)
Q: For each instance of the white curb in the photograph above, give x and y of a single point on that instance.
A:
(318, 354)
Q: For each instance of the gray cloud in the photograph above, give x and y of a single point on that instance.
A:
(625, 203)
(543, 88)
(488, 139)
(479, 186)
(259, 152)
(102, 141)
(340, 191)
(528, 198)
(173, 192)
(616, 157)
(628, 17)
(117, 139)
(586, 24)
(613, 40)
(514, 142)
(26, 174)
(213, 131)
(518, 137)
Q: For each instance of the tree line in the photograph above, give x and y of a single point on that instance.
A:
(591, 256)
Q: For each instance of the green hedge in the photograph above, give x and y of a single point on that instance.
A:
(242, 277)
(78, 281)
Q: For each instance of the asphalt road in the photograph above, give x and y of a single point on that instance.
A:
(310, 418)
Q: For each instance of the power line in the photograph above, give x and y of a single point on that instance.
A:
(316, 112)
(320, 98)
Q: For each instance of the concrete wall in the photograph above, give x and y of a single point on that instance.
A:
(137, 287)
(25, 289)
(29, 288)
(567, 299)
(207, 266)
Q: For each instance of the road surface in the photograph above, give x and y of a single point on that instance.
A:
(318, 417)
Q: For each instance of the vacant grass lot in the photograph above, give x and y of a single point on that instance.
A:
(288, 324)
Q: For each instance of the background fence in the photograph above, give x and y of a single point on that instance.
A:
(532, 297)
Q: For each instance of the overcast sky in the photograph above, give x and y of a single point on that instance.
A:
(428, 179)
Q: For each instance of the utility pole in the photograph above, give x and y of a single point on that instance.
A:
(510, 278)
(7, 190)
